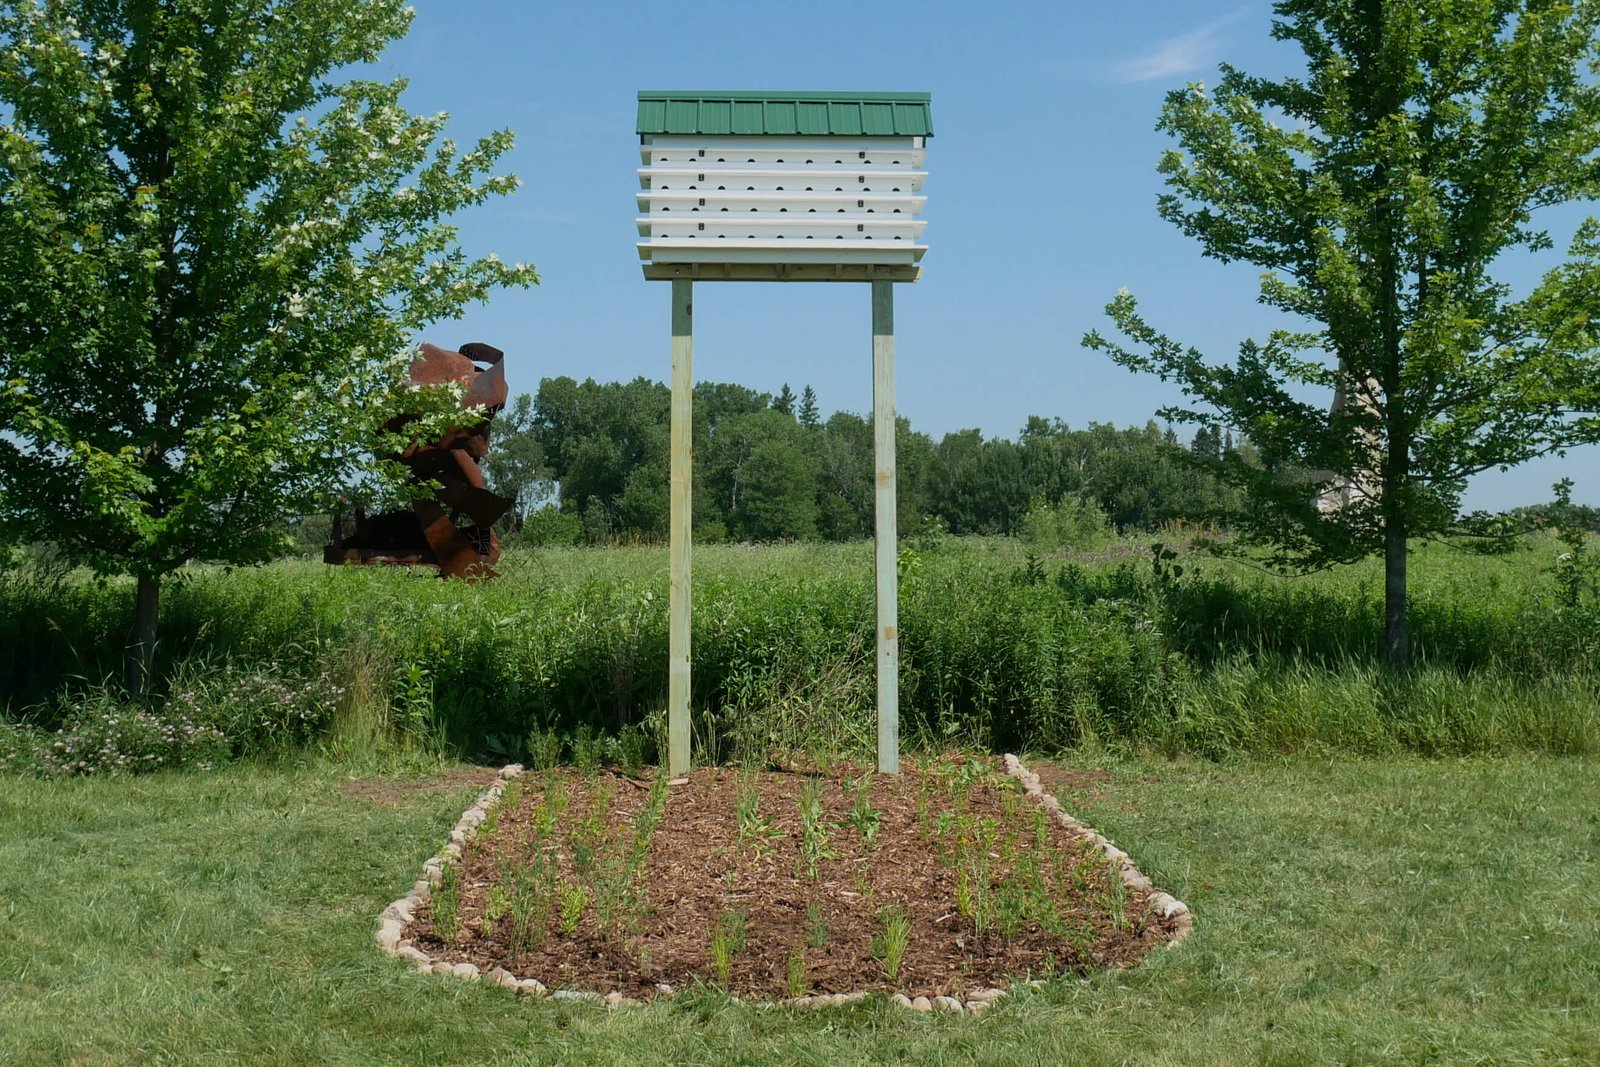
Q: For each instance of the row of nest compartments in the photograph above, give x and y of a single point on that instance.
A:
(861, 159)
(766, 237)
(808, 211)
(777, 189)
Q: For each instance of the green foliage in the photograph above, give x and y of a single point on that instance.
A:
(444, 904)
(862, 815)
(1420, 142)
(1071, 522)
(1224, 658)
(106, 733)
(890, 944)
(213, 711)
(727, 941)
(815, 832)
(515, 467)
(216, 255)
(816, 925)
(763, 474)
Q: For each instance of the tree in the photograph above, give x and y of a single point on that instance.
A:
(1422, 139)
(215, 256)
(784, 401)
(515, 464)
(809, 417)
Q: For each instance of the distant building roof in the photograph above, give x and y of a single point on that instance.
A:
(820, 114)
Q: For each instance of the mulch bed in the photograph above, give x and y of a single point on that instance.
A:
(699, 871)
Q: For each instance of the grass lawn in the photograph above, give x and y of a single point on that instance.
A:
(1347, 911)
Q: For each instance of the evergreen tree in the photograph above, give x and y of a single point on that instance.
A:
(809, 416)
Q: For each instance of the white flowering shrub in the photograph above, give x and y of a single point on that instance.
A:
(211, 713)
(260, 709)
(105, 734)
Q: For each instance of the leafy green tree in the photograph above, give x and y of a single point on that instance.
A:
(215, 255)
(515, 466)
(845, 484)
(1419, 144)
(604, 442)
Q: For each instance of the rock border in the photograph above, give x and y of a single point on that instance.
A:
(396, 917)
(1167, 905)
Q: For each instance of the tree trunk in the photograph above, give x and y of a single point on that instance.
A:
(1396, 628)
(142, 648)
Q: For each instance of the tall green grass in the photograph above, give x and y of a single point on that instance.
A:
(999, 648)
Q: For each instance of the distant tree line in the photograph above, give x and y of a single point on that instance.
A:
(589, 462)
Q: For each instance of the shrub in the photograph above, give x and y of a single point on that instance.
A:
(107, 734)
(1071, 522)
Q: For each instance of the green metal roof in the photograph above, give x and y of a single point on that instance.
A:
(785, 114)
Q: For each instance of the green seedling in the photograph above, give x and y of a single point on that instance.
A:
(445, 906)
(756, 831)
(588, 750)
(494, 909)
(814, 835)
(894, 937)
(727, 941)
(816, 925)
(863, 816)
(796, 982)
(574, 899)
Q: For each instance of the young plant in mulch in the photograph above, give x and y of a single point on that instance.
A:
(941, 880)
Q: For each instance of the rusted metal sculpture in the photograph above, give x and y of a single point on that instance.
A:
(454, 531)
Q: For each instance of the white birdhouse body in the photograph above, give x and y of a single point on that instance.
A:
(781, 206)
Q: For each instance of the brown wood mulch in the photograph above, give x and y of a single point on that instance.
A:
(699, 871)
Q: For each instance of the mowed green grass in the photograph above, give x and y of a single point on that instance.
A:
(1393, 910)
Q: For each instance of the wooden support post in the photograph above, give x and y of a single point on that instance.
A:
(681, 524)
(887, 559)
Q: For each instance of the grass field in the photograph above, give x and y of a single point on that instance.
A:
(1386, 910)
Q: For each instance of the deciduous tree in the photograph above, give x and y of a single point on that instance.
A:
(215, 254)
(1415, 152)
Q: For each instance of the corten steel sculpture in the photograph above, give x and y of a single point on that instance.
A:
(432, 533)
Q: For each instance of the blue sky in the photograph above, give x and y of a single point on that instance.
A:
(1041, 188)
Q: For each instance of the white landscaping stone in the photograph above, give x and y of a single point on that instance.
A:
(502, 977)
(921, 1004)
(901, 999)
(947, 1004)
(978, 1007)
(531, 987)
(443, 968)
(613, 999)
(466, 970)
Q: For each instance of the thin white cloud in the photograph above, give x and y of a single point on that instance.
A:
(1183, 54)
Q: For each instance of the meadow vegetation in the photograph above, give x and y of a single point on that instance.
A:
(1006, 644)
